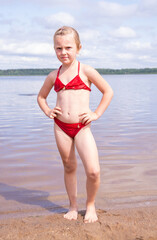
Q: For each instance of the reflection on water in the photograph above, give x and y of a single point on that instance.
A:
(31, 173)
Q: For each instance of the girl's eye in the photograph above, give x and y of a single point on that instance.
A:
(68, 48)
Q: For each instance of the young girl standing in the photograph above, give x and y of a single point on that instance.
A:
(72, 117)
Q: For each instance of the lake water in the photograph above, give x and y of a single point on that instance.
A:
(31, 172)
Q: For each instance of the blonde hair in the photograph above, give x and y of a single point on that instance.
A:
(68, 30)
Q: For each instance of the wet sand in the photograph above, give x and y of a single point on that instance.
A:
(126, 224)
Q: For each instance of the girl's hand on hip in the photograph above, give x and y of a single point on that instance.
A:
(88, 117)
(54, 112)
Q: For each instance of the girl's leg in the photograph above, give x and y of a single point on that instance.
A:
(66, 148)
(87, 150)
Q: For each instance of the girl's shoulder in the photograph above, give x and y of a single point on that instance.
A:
(88, 70)
(52, 75)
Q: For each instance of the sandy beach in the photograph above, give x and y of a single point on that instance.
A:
(126, 224)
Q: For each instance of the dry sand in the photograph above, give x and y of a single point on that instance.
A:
(124, 224)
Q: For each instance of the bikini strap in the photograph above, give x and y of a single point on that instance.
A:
(61, 66)
(59, 71)
(78, 67)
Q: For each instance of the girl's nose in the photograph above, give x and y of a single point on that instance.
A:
(63, 51)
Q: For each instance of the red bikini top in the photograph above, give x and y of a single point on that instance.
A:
(76, 83)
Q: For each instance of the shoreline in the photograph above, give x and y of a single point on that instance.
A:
(103, 71)
(121, 224)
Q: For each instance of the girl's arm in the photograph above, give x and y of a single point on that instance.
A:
(106, 90)
(42, 96)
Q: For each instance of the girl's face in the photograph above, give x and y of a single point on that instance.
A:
(66, 48)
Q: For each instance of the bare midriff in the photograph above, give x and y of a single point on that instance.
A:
(73, 103)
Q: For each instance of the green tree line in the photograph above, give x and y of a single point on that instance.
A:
(46, 71)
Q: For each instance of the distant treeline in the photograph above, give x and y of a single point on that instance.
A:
(25, 72)
(46, 71)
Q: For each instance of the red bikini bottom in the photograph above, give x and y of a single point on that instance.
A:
(71, 129)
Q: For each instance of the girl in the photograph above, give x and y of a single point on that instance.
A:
(72, 117)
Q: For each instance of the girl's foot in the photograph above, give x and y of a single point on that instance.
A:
(90, 216)
(71, 214)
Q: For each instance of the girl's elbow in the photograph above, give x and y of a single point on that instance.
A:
(38, 98)
(112, 93)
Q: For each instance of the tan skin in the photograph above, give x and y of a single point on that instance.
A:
(72, 106)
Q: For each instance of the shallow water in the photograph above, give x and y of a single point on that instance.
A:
(31, 172)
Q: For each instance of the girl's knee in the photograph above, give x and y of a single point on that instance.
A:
(94, 175)
(69, 166)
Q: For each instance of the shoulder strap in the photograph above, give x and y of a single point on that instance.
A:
(78, 67)
(59, 71)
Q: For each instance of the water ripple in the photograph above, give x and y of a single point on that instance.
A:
(126, 136)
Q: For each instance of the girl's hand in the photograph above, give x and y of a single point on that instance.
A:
(53, 112)
(88, 117)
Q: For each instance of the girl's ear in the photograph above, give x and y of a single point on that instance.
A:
(80, 46)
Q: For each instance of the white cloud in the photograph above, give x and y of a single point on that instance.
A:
(148, 7)
(45, 3)
(90, 35)
(125, 56)
(137, 45)
(58, 19)
(144, 57)
(35, 48)
(111, 9)
(146, 60)
(124, 32)
(26, 48)
(114, 34)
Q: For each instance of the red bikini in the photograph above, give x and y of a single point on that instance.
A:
(71, 129)
(76, 83)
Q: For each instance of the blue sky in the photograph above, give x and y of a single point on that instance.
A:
(114, 34)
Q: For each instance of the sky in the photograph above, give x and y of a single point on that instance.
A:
(114, 33)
